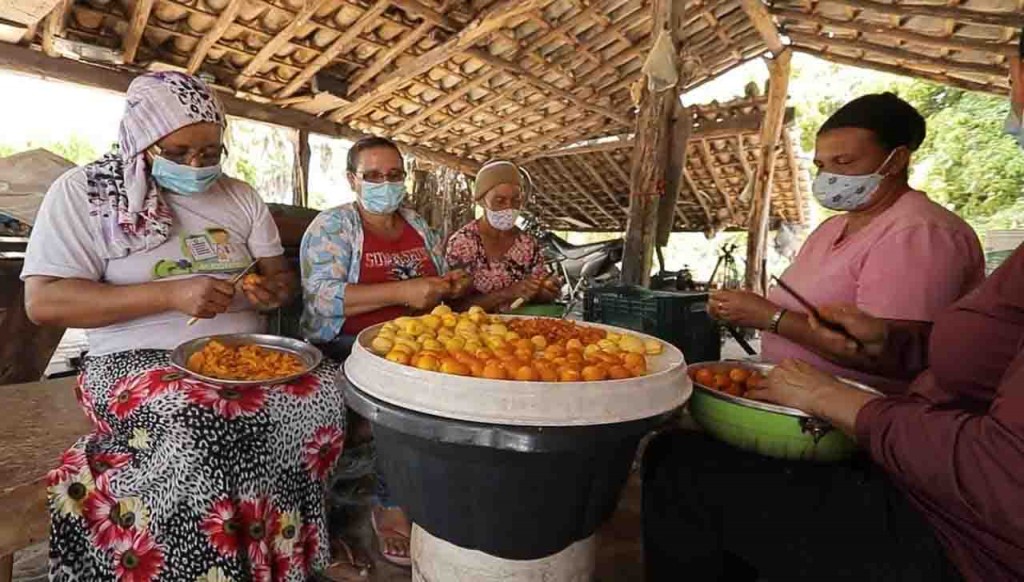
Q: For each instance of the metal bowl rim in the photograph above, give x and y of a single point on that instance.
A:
(308, 353)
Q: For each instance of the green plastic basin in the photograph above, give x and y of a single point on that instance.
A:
(540, 310)
(767, 429)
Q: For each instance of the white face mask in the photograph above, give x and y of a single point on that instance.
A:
(502, 219)
(839, 192)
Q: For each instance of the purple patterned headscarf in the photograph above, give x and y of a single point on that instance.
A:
(128, 211)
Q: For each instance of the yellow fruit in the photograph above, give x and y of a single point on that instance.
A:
(425, 336)
(466, 324)
(609, 346)
(398, 357)
(381, 345)
(591, 350)
(497, 329)
(414, 327)
(478, 318)
(402, 321)
(408, 342)
(653, 347)
(441, 309)
(613, 337)
(405, 349)
(389, 327)
(494, 342)
(472, 346)
(428, 362)
(445, 334)
(633, 345)
(403, 335)
(386, 334)
(449, 320)
(476, 309)
(574, 344)
(432, 322)
(512, 337)
(540, 342)
(433, 345)
(452, 366)
(454, 344)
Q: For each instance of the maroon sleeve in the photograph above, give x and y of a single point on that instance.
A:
(970, 465)
(906, 350)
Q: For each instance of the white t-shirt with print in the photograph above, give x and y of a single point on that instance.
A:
(216, 233)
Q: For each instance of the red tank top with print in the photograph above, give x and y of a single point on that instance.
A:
(384, 261)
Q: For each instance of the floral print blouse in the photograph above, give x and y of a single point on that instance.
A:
(330, 255)
(523, 259)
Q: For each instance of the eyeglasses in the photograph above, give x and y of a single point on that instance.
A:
(207, 156)
(375, 177)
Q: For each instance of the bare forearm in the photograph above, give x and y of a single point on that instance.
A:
(371, 297)
(90, 304)
(839, 404)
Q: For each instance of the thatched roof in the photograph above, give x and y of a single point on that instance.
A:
(472, 80)
(587, 187)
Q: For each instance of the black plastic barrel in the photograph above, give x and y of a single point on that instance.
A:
(519, 493)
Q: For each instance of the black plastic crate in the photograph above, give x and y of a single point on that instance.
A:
(680, 319)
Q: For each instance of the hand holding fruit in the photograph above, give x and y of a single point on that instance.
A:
(202, 296)
(426, 292)
(742, 308)
(268, 292)
(459, 282)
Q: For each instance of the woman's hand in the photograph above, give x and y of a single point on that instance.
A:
(459, 282)
(526, 289)
(871, 331)
(268, 292)
(426, 292)
(742, 308)
(201, 296)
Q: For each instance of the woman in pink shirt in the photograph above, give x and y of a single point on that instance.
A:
(892, 252)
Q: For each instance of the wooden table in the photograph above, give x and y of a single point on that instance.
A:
(40, 421)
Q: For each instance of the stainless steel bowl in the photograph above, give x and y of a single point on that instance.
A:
(308, 354)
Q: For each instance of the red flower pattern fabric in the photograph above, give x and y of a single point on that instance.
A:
(138, 559)
(221, 526)
(229, 401)
(523, 259)
(323, 450)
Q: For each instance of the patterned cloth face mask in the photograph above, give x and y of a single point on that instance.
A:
(502, 219)
(839, 192)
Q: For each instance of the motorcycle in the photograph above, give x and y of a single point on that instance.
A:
(579, 266)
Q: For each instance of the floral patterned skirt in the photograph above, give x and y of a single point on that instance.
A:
(184, 480)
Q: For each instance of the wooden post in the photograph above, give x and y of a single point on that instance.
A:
(771, 133)
(647, 175)
(682, 125)
(302, 155)
(24, 360)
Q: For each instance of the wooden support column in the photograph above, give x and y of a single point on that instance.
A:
(682, 125)
(302, 155)
(26, 359)
(647, 175)
(771, 134)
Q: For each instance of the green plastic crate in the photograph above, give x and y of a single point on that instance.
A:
(680, 319)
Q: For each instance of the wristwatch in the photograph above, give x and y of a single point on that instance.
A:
(773, 327)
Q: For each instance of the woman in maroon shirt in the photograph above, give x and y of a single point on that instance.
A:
(948, 500)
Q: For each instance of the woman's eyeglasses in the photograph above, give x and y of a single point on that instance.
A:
(205, 157)
(375, 177)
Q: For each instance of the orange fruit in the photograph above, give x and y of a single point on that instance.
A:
(526, 374)
(738, 375)
(574, 344)
(559, 362)
(568, 375)
(631, 360)
(484, 354)
(594, 374)
(704, 377)
(454, 367)
(554, 351)
(755, 381)
(610, 359)
(619, 373)
(398, 357)
(494, 371)
(525, 355)
(720, 382)
(733, 389)
(427, 362)
(524, 344)
(476, 368)
(547, 374)
(574, 357)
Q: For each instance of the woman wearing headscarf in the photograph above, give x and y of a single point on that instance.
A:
(504, 262)
(179, 479)
(888, 236)
(939, 496)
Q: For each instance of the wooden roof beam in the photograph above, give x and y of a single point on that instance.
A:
(493, 18)
(584, 215)
(389, 55)
(133, 37)
(758, 14)
(710, 165)
(605, 186)
(614, 165)
(535, 127)
(213, 36)
(964, 15)
(54, 25)
(328, 54)
(279, 40)
(574, 132)
(497, 95)
(696, 191)
(444, 101)
(794, 171)
(960, 44)
(581, 188)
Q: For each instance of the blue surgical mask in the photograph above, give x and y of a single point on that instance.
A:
(382, 198)
(839, 192)
(182, 179)
(1015, 127)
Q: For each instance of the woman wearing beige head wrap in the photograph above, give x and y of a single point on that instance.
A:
(504, 262)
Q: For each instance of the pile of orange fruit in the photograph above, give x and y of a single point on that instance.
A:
(733, 380)
(523, 349)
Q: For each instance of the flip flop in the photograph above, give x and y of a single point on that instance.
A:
(348, 569)
(404, 561)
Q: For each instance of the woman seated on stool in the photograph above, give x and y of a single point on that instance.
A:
(938, 496)
(504, 262)
(180, 479)
(892, 252)
(366, 263)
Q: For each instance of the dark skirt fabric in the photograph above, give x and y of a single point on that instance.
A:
(185, 480)
(713, 512)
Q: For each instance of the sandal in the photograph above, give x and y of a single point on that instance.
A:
(404, 561)
(349, 567)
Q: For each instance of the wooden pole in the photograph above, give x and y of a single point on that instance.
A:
(682, 124)
(647, 175)
(25, 359)
(771, 133)
(302, 155)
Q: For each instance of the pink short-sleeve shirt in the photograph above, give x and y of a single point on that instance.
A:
(909, 263)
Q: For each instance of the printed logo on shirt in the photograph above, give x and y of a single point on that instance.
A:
(210, 251)
(402, 266)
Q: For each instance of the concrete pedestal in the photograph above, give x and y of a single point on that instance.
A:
(435, 560)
